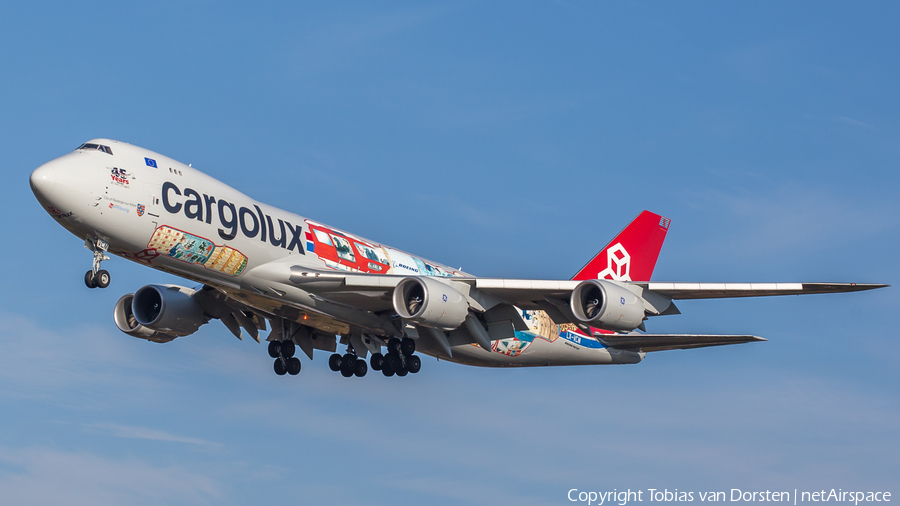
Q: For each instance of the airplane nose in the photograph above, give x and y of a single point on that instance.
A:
(43, 180)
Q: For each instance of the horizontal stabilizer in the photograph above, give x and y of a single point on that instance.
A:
(662, 342)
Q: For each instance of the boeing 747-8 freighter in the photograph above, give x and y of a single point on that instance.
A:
(317, 287)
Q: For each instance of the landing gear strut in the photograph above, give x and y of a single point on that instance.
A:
(97, 277)
(349, 364)
(400, 359)
(285, 361)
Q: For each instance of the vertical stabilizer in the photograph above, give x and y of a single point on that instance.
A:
(632, 255)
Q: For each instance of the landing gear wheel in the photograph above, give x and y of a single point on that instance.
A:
(274, 348)
(280, 368)
(89, 279)
(102, 278)
(288, 348)
(414, 363)
(402, 372)
(360, 369)
(376, 361)
(348, 365)
(386, 370)
(408, 346)
(393, 345)
(334, 362)
(393, 360)
(293, 366)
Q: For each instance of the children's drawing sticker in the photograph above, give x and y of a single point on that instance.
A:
(196, 250)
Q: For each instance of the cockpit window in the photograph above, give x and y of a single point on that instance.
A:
(98, 147)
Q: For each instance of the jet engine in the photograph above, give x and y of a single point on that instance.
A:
(430, 303)
(159, 313)
(126, 322)
(606, 305)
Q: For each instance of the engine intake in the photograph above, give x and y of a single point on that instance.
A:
(430, 303)
(606, 305)
(125, 320)
(169, 309)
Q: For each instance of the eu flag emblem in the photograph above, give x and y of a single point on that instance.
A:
(150, 162)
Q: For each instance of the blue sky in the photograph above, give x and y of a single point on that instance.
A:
(512, 139)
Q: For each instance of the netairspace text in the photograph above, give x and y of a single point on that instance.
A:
(623, 497)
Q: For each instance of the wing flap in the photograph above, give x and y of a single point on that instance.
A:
(662, 342)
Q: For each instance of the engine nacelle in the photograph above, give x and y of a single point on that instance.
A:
(606, 305)
(126, 322)
(430, 303)
(169, 309)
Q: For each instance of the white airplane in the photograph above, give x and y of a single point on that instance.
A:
(316, 286)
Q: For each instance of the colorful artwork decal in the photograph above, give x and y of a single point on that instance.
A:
(515, 346)
(196, 250)
(541, 327)
(343, 251)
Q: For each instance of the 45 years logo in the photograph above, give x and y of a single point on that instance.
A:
(120, 177)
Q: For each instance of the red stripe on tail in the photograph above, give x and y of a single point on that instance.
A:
(632, 255)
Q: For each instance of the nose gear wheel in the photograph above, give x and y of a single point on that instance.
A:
(97, 277)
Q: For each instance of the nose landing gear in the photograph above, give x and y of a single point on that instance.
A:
(97, 277)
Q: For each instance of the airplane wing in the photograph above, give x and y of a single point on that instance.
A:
(727, 290)
(661, 342)
(372, 291)
(519, 288)
(370, 297)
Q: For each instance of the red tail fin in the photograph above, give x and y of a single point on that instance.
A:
(632, 255)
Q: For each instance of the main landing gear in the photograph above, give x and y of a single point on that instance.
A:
(285, 361)
(97, 277)
(400, 359)
(349, 364)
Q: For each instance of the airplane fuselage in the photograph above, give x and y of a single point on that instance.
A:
(156, 211)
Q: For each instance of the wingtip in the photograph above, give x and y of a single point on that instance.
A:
(869, 286)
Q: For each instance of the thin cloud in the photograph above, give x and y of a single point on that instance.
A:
(468, 492)
(89, 479)
(840, 119)
(853, 122)
(132, 432)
